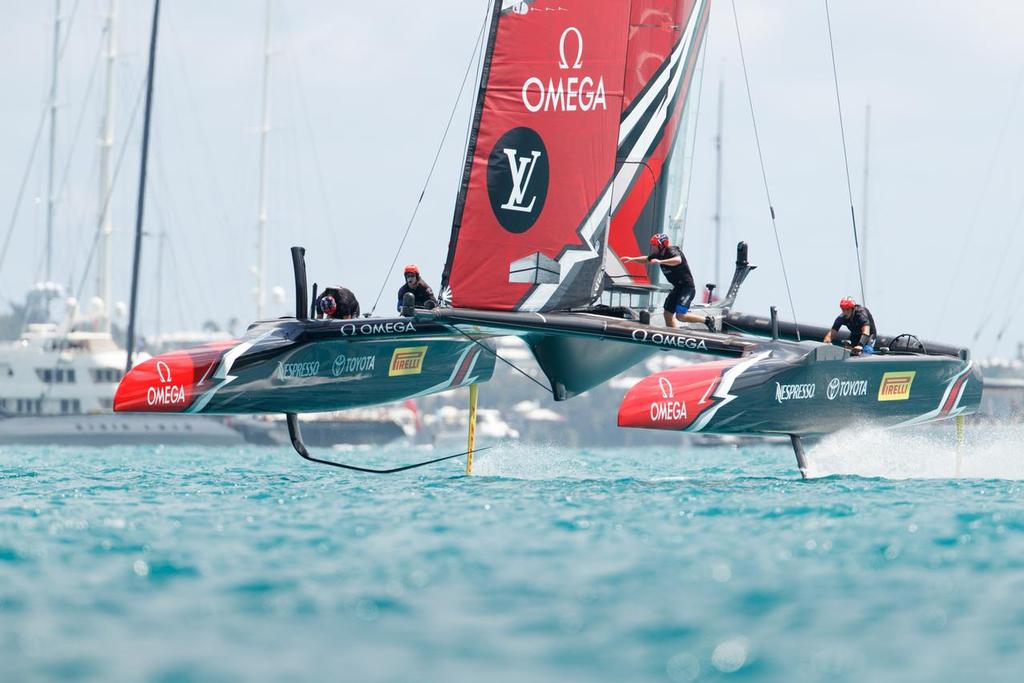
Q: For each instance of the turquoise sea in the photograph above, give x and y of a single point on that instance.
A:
(672, 564)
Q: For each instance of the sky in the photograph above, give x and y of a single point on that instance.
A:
(360, 94)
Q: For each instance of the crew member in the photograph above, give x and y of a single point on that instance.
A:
(677, 272)
(421, 290)
(861, 324)
(338, 303)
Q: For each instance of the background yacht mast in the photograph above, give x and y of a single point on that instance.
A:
(150, 73)
(261, 240)
(718, 186)
(161, 244)
(50, 199)
(865, 192)
(106, 226)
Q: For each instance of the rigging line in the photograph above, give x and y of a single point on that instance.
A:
(317, 165)
(67, 32)
(476, 65)
(199, 185)
(110, 193)
(1013, 296)
(21, 190)
(163, 218)
(1006, 249)
(35, 145)
(80, 229)
(985, 186)
(167, 212)
(1006, 325)
(71, 313)
(433, 165)
(693, 143)
(81, 119)
(167, 215)
(494, 353)
(846, 158)
(764, 174)
(176, 268)
(296, 66)
(202, 137)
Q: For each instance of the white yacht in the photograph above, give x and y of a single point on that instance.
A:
(57, 387)
(49, 373)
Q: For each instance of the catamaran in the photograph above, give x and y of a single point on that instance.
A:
(577, 113)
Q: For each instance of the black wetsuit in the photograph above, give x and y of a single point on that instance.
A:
(344, 299)
(855, 323)
(683, 289)
(424, 295)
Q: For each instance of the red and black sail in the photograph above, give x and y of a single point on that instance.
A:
(665, 39)
(579, 104)
(531, 218)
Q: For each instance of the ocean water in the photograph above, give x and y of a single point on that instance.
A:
(902, 560)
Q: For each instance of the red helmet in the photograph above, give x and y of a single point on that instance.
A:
(659, 240)
(328, 305)
(847, 302)
(411, 268)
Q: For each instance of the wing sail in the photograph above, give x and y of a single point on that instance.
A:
(533, 210)
(665, 41)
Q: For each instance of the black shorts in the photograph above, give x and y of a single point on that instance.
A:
(679, 299)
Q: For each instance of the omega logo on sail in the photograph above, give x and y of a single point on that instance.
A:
(571, 93)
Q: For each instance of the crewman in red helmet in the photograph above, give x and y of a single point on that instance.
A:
(421, 290)
(338, 303)
(861, 324)
(677, 271)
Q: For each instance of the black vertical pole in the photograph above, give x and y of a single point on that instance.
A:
(299, 270)
(142, 188)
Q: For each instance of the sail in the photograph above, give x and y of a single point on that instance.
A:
(533, 209)
(665, 39)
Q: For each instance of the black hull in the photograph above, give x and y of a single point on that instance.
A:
(803, 396)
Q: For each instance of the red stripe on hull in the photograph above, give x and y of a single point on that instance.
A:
(467, 362)
(954, 394)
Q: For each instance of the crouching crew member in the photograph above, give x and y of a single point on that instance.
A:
(421, 290)
(861, 324)
(338, 303)
(677, 271)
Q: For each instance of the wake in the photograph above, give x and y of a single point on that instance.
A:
(512, 460)
(990, 451)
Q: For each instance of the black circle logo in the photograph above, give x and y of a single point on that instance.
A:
(517, 179)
